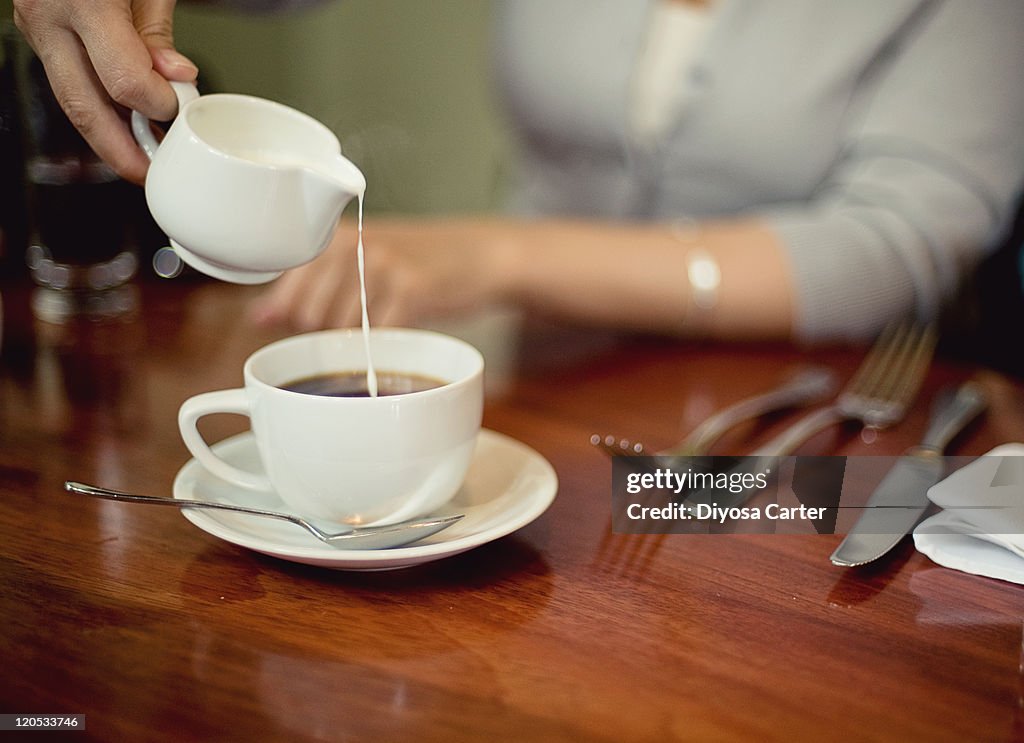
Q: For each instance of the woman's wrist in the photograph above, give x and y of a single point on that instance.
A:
(703, 279)
(507, 256)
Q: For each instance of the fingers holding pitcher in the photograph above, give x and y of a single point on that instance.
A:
(105, 57)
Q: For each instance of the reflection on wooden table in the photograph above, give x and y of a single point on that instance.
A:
(562, 631)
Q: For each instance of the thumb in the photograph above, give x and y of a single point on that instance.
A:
(154, 21)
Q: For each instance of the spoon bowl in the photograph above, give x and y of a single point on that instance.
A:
(366, 537)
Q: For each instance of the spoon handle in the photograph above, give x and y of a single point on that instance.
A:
(83, 489)
(381, 536)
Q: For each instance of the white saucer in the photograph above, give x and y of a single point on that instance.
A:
(508, 486)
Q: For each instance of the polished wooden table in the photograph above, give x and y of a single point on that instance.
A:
(155, 630)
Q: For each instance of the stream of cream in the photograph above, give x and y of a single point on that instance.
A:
(371, 374)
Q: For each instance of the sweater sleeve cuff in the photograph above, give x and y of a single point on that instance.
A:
(846, 282)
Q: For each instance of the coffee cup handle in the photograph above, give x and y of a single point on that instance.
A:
(143, 132)
(223, 401)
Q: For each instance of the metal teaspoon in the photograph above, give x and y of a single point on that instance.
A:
(367, 537)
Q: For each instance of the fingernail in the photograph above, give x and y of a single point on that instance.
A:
(177, 60)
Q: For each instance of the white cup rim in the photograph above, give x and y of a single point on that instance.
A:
(254, 378)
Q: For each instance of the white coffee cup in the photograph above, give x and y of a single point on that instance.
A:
(245, 188)
(353, 460)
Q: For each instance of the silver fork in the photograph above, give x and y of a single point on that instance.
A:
(879, 392)
(806, 387)
(878, 395)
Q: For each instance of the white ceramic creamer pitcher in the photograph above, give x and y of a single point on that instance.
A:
(245, 187)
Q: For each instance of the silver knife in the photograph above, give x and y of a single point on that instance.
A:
(902, 496)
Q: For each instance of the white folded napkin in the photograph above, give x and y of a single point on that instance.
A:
(982, 541)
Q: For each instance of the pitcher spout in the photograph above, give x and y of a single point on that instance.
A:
(345, 175)
(330, 185)
(334, 178)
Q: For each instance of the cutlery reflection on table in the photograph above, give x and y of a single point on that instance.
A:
(898, 502)
(634, 553)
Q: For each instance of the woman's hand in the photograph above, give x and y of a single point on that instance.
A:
(616, 275)
(103, 57)
(415, 271)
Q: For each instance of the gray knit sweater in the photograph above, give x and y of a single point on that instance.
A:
(883, 140)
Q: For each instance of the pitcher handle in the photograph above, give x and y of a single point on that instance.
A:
(143, 132)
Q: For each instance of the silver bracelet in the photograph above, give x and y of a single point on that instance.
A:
(704, 277)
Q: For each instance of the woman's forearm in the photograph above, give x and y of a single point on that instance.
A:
(635, 276)
(601, 273)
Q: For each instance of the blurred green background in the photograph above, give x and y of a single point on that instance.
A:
(405, 85)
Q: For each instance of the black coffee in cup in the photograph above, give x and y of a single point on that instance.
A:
(353, 384)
